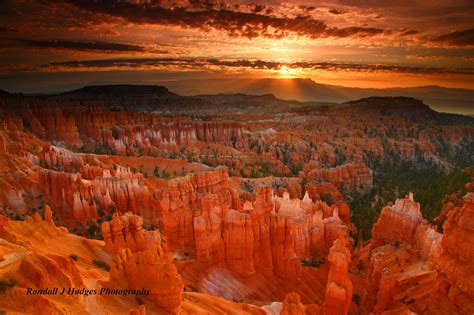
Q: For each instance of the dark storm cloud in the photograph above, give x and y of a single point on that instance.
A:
(457, 38)
(82, 45)
(215, 16)
(249, 64)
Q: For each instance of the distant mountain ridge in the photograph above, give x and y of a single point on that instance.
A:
(158, 99)
(439, 98)
(151, 98)
(155, 98)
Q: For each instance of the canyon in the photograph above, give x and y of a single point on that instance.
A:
(136, 188)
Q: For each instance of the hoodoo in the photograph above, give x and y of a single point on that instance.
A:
(304, 209)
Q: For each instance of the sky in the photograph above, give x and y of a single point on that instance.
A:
(54, 45)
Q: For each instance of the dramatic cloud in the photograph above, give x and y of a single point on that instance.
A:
(202, 63)
(211, 16)
(82, 45)
(333, 41)
(458, 38)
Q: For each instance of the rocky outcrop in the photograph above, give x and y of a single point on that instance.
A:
(207, 195)
(41, 271)
(152, 269)
(139, 311)
(81, 199)
(456, 260)
(271, 235)
(126, 231)
(397, 222)
(291, 305)
(210, 247)
(352, 176)
(238, 240)
(59, 158)
(285, 261)
(439, 279)
(57, 126)
(339, 286)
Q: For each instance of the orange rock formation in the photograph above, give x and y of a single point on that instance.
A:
(339, 287)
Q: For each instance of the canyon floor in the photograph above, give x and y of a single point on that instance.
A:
(233, 204)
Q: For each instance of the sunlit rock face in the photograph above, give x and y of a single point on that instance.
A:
(271, 235)
(152, 269)
(292, 305)
(126, 231)
(339, 285)
(413, 266)
(354, 176)
(397, 222)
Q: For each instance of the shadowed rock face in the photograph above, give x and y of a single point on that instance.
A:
(408, 107)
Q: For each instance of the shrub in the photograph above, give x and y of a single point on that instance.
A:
(327, 198)
(313, 262)
(101, 264)
(6, 284)
(190, 288)
(149, 227)
(93, 231)
(356, 298)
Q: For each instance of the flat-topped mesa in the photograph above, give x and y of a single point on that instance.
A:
(125, 231)
(397, 222)
(339, 285)
(152, 269)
